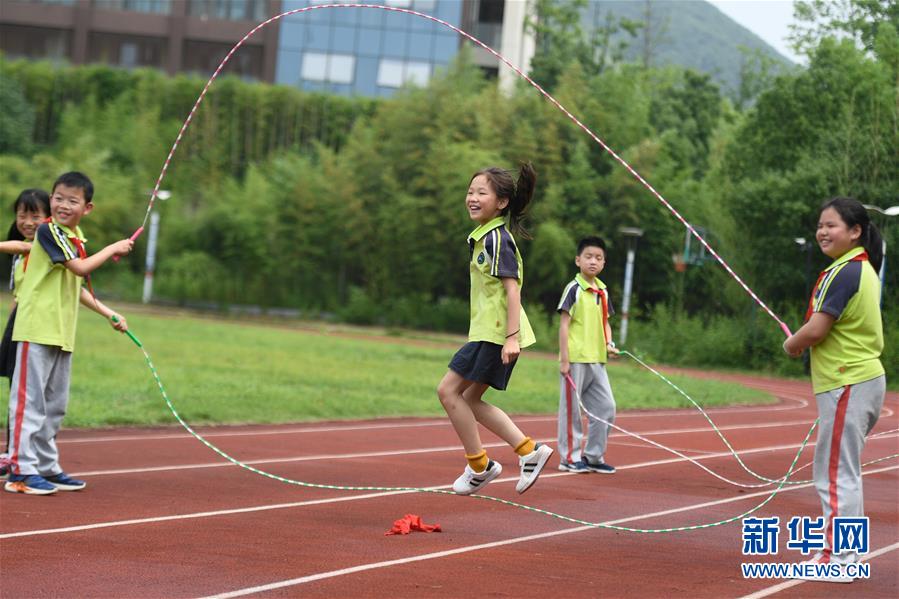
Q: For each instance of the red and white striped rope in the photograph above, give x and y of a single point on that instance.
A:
(520, 73)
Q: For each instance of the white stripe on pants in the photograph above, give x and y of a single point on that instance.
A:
(38, 396)
(846, 416)
(592, 382)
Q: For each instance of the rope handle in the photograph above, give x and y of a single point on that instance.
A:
(133, 237)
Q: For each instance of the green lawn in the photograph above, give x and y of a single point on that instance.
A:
(227, 371)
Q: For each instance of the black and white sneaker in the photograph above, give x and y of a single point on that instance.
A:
(471, 481)
(531, 466)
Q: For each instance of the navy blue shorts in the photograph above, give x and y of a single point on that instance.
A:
(482, 362)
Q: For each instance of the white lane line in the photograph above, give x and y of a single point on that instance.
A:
(369, 496)
(441, 422)
(223, 463)
(439, 554)
(792, 583)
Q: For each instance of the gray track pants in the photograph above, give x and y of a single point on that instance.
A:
(596, 394)
(38, 396)
(846, 415)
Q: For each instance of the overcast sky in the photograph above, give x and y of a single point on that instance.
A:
(768, 19)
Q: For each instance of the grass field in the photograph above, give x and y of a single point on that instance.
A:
(229, 371)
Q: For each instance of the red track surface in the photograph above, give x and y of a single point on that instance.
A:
(163, 516)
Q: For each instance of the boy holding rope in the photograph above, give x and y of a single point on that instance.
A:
(585, 341)
(45, 329)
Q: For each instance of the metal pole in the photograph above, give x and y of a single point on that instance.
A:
(151, 257)
(626, 302)
(631, 235)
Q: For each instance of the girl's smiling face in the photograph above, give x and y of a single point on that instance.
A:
(481, 201)
(27, 221)
(834, 237)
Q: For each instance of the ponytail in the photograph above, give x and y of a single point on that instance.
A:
(854, 213)
(873, 242)
(519, 194)
(518, 204)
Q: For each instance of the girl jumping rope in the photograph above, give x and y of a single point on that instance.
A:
(844, 330)
(499, 329)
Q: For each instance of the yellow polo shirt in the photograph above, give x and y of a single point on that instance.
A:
(494, 256)
(849, 290)
(49, 294)
(586, 331)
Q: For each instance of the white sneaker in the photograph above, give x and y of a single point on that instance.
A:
(815, 570)
(471, 481)
(531, 465)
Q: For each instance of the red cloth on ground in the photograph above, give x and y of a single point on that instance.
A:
(411, 522)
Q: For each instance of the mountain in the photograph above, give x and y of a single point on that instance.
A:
(690, 33)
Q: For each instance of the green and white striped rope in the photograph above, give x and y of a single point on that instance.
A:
(439, 491)
(676, 452)
(768, 481)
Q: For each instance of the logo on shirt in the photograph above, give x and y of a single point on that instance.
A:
(481, 258)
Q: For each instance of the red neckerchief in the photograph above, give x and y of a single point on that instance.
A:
(601, 297)
(82, 253)
(811, 301)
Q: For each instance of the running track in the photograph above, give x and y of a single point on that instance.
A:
(165, 517)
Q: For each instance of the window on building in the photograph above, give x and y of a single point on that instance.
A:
(231, 10)
(128, 54)
(315, 67)
(390, 73)
(425, 5)
(398, 3)
(333, 68)
(418, 73)
(163, 7)
(491, 11)
(489, 26)
(60, 2)
(204, 57)
(127, 50)
(18, 41)
(394, 73)
(340, 68)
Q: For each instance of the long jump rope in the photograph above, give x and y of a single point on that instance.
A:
(780, 482)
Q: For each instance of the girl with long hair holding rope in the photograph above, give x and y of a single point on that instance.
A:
(844, 331)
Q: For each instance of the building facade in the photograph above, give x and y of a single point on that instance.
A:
(350, 51)
(363, 51)
(177, 36)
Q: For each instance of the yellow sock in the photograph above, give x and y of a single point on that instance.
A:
(525, 447)
(478, 461)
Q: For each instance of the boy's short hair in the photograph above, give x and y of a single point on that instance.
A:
(78, 181)
(592, 241)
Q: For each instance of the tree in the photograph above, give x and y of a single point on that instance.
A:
(653, 33)
(561, 40)
(829, 130)
(16, 118)
(757, 72)
(691, 107)
(861, 20)
(550, 264)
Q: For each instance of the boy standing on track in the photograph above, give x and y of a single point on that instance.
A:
(45, 329)
(585, 341)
